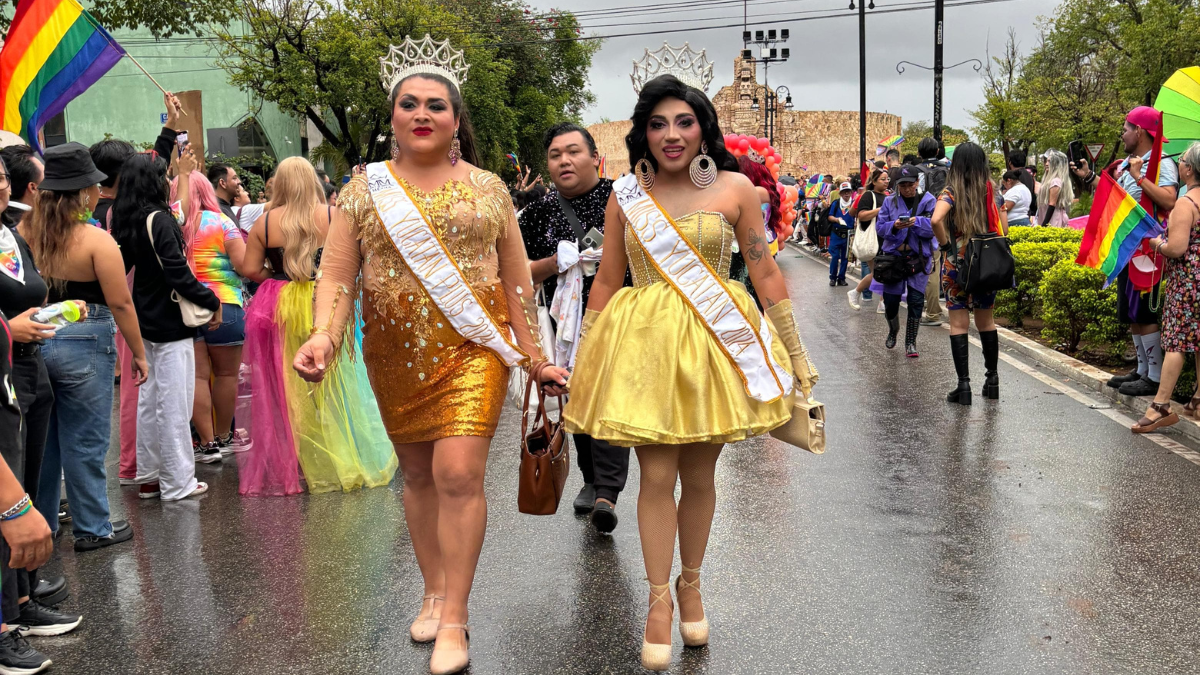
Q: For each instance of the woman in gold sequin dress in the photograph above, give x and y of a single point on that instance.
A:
(440, 394)
(649, 374)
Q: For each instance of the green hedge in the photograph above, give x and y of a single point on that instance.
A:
(1077, 309)
(1033, 259)
(1020, 235)
(1186, 386)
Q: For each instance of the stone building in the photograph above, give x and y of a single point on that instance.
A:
(825, 140)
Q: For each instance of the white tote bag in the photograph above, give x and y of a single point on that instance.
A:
(193, 315)
(866, 242)
(517, 376)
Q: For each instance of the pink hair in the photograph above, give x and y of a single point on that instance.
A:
(201, 197)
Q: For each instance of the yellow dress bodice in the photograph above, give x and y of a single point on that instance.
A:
(708, 231)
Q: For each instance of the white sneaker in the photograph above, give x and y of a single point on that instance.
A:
(880, 309)
(855, 298)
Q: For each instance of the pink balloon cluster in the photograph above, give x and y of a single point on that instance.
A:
(789, 196)
(741, 144)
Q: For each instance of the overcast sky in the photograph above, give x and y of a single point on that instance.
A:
(823, 71)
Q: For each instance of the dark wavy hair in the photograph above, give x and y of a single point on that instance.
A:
(144, 188)
(761, 177)
(466, 132)
(669, 86)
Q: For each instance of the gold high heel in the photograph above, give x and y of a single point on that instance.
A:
(656, 656)
(447, 661)
(425, 630)
(694, 633)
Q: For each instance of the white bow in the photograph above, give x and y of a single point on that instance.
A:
(567, 307)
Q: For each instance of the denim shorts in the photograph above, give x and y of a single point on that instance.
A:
(231, 332)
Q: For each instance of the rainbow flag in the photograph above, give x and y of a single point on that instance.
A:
(600, 170)
(515, 162)
(53, 52)
(889, 142)
(1116, 226)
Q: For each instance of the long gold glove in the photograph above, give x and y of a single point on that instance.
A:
(784, 321)
(589, 318)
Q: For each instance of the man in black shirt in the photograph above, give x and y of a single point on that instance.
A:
(572, 161)
(226, 184)
(25, 171)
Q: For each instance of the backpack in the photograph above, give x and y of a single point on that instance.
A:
(935, 177)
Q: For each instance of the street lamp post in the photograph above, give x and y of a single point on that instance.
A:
(862, 79)
(768, 54)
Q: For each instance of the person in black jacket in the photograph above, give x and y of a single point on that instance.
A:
(152, 243)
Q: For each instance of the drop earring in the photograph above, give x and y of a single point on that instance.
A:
(455, 149)
(645, 174)
(395, 147)
(703, 170)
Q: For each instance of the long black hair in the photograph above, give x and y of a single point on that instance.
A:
(669, 86)
(969, 177)
(144, 188)
(466, 133)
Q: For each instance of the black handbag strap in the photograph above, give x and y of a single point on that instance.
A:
(573, 219)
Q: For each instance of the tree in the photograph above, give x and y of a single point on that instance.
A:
(915, 130)
(1001, 118)
(163, 18)
(321, 61)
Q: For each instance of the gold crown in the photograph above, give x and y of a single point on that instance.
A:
(425, 56)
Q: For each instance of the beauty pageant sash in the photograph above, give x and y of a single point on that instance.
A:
(745, 341)
(433, 266)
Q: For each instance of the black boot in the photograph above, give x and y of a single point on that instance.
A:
(991, 355)
(910, 333)
(893, 331)
(958, 349)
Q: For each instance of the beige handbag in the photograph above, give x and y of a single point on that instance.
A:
(193, 315)
(806, 429)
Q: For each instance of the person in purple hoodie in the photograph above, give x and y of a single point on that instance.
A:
(904, 225)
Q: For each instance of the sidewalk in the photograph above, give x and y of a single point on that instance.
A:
(1082, 374)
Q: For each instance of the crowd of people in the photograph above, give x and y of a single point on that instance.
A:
(328, 335)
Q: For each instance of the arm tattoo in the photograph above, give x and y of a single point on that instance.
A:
(756, 249)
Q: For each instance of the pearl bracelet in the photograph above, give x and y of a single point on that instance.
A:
(17, 509)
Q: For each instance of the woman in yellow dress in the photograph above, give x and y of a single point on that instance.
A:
(433, 241)
(659, 368)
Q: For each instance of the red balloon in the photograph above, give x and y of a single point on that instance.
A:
(743, 145)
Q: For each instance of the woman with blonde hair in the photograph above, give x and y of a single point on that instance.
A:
(967, 207)
(1056, 193)
(331, 437)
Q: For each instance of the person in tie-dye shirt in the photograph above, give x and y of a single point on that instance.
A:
(214, 250)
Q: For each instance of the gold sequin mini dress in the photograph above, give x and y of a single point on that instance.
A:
(430, 382)
(650, 372)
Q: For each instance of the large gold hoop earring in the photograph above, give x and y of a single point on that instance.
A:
(703, 170)
(645, 174)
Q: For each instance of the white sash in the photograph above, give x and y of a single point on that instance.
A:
(681, 265)
(433, 266)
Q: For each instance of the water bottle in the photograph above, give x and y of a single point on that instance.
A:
(60, 313)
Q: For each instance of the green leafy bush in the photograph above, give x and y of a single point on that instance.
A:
(1021, 235)
(1032, 259)
(1077, 309)
(1186, 385)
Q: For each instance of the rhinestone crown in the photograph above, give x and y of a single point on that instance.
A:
(691, 67)
(422, 56)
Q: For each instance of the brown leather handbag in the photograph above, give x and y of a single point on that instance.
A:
(545, 458)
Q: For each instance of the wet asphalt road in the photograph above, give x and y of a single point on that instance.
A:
(1029, 535)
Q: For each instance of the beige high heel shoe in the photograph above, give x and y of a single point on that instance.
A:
(655, 656)
(446, 661)
(694, 633)
(425, 630)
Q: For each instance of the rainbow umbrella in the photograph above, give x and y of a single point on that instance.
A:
(1179, 102)
(813, 189)
(889, 142)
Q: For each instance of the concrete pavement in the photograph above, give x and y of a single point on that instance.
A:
(1026, 535)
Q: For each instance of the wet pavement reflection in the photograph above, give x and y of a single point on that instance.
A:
(1029, 535)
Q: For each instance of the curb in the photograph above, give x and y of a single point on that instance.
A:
(1087, 376)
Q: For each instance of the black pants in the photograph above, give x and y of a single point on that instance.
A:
(604, 465)
(24, 457)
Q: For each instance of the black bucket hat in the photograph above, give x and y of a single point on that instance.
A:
(69, 167)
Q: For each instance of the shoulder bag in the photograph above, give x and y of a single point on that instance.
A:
(544, 457)
(193, 315)
(806, 428)
(988, 265)
(866, 240)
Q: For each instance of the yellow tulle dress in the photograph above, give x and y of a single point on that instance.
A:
(649, 372)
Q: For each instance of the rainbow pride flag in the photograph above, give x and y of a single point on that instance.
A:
(515, 162)
(1116, 226)
(889, 142)
(53, 52)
